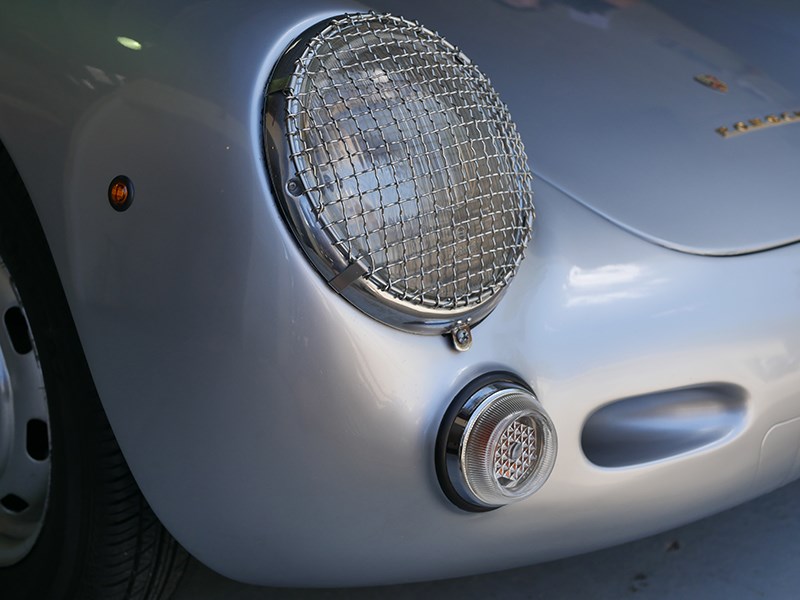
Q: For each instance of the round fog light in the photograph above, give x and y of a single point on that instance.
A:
(496, 444)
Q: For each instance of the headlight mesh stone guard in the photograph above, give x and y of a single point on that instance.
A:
(399, 165)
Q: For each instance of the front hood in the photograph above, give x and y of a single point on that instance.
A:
(610, 112)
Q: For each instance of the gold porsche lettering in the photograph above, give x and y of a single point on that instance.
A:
(757, 123)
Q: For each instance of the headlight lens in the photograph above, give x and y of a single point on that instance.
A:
(398, 166)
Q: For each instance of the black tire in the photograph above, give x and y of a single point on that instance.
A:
(99, 538)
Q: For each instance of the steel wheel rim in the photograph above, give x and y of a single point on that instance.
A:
(25, 440)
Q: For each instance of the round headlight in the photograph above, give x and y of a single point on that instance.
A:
(399, 171)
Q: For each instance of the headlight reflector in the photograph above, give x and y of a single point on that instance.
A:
(408, 171)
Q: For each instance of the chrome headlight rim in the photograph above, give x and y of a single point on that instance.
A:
(350, 279)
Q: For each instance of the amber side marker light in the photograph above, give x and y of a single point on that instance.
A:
(120, 193)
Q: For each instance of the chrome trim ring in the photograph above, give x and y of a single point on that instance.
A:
(24, 432)
(399, 171)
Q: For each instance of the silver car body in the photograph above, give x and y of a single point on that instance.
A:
(285, 438)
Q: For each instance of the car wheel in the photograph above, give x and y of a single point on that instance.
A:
(73, 523)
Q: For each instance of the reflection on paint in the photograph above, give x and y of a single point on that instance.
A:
(608, 283)
(129, 43)
(603, 276)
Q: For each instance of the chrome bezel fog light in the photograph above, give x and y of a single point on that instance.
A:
(496, 444)
(399, 170)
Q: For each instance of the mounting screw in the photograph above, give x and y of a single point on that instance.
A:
(462, 337)
(294, 187)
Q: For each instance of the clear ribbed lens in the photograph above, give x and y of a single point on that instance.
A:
(410, 165)
(508, 449)
(516, 452)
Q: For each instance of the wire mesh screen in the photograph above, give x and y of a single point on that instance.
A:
(410, 160)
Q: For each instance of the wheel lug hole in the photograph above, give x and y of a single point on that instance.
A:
(13, 503)
(17, 328)
(37, 440)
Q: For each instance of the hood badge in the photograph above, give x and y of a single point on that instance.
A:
(712, 82)
(741, 127)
